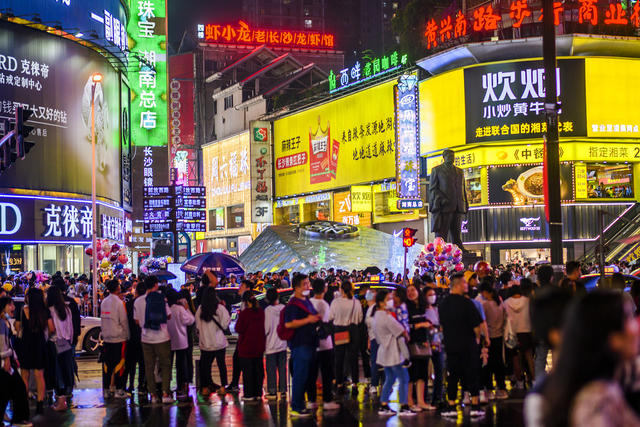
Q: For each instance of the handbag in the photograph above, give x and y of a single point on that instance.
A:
(419, 350)
(344, 337)
(510, 337)
(225, 331)
(62, 345)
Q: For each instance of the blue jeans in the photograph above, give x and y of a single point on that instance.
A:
(392, 373)
(437, 358)
(375, 374)
(301, 358)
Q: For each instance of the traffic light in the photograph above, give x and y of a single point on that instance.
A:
(23, 131)
(407, 237)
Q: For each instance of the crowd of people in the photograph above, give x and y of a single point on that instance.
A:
(441, 340)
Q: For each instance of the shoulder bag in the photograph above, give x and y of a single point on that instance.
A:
(344, 337)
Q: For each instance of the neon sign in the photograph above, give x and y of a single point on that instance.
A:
(360, 73)
(485, 19)
(244, 34)
(407, 137)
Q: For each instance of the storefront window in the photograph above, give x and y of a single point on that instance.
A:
(30, 257)
(473, 185)
(49, 258)
(216, 219)
(317, 211)
(609, 181)
(288, 215)
(235, 216)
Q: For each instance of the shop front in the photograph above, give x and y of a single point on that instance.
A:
(496, 129)
(227, 178)
(336, 161)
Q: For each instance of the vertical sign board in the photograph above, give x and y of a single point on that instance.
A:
(148, 72)
(407, 136)
(261, 172)
(125, 142)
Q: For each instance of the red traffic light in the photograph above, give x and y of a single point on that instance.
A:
(407, 237)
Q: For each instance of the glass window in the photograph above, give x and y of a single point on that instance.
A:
(288, 215)
(473, 185)
(609, 181)
(317, 211)
(49, 258)
(216, 219)
(235, 216)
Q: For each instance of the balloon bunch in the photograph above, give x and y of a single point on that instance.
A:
(111, 257)
(150, 265)
(440, 256)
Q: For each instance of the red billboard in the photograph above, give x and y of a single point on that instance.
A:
(181, 120)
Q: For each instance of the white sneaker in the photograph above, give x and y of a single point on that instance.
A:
(330, 406)
(373, 390)
(466, 400)
(483, 397)
(312, 405)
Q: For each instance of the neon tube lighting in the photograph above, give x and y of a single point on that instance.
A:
(60, 199)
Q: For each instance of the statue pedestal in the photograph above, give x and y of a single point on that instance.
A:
(470, 259)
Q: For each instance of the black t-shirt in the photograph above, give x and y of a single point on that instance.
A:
(458, 317)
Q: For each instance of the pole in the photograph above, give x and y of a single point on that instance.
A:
(405, 277)
(94, 255)
(552, 144)
(176, 249)
(601, 245)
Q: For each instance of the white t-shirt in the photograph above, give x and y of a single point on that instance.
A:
(322, 308)
(272, 318)
(149, 336)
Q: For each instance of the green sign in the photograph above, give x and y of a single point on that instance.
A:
(361, 72)
(148, 72)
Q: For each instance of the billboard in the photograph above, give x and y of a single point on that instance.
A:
(52, 76)
(522, 185)
(148, 73)
(505, 100)
(261, 172)
(150, 169)
(347, 141)
(407, 136)
(182, 152)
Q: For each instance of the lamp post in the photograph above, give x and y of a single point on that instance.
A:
(95, 79)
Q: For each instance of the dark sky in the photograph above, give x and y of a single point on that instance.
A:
(185, 14)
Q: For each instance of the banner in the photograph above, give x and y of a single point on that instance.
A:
(361, 198)
(581, 181)
(522, 185)
(261, 172)
(343, 210)
(148, 73)
(505, 101)
(347, 141)
(52, 76)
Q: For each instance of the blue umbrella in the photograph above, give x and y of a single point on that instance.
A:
(215, 261)
(163, 275)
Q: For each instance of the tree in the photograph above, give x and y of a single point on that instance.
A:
(409, 25)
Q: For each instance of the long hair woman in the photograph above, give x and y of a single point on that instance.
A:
(61, 316)
(35, 325)
(599, 336)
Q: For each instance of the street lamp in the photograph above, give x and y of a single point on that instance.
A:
(95, 79)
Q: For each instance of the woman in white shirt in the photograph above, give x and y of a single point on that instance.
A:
(177, 324)
(346, 313)
(61, 316)
(212, 318)
(388, 331)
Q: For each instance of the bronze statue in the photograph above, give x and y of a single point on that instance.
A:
(447, 199)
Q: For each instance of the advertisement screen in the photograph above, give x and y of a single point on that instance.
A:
(347, 141)
(505, 101)
(181, 123)
(522, 185)
(52, 76)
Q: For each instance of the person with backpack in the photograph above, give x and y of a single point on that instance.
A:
(151, 313)
(212, 319)
(297, 326)
(134, 356)
(276, 349)
(181, 318)
(251, 346)
(115, 333)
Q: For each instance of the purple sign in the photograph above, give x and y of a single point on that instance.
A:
(407, 136)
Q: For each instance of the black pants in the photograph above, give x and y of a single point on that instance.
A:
(252, 376)
(65, 373)
(114, 355)
(132, 359)
(323, 362)
(461, 369)
(206, 360)
(494, 367)
(236, 369)
(14, 390)
(182, 367)
(364, 350)
(347, 357)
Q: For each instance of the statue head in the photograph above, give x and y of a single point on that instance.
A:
(448, 156)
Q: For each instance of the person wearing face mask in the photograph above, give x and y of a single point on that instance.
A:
(435, 340)
(346, 313)
(13, 388)
(362, 333)
(370, 297)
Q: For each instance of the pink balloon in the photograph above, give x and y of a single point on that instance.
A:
(113, 258)
(126, 270)
(457, 253)
(115, 248)
(88, 251)
(430, 247)
(122, 259)
(448, 248)
(438, 241)
(459, 266)
(100, 255)
(98, 245)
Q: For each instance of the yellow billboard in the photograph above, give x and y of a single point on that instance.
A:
(442, 112)
(347, 141)
(613, 107)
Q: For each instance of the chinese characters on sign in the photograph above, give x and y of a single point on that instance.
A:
(243, 34)
(360, 73)
(174, 208)
(261, 172)
(407, 136)
(115, 31)
(71, 221)
(506, 100)
(484, 19)
(148, 74)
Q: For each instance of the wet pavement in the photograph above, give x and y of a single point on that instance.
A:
(90, 409)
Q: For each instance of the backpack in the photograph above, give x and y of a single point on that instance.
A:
(155, 313)
(284, 333)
